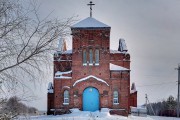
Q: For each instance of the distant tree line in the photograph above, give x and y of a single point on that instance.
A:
(13, 107)
(164, 108)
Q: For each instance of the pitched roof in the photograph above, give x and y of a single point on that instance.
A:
(90, 23)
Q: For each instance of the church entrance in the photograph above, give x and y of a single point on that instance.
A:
(90, 99)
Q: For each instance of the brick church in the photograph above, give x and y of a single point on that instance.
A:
(91, 76)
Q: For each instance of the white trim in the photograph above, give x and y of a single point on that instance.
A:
(84, 64)
(66, 87)
(90, 76)
(65, 103)
(96, 64)
(115, 103)
(90, 64)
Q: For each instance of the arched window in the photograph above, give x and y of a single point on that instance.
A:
(84, 57)
(115, 97)
(90, 57)
(97, 57)
(66, 97)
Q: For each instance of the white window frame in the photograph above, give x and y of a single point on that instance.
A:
(66, 97)
(115, 98)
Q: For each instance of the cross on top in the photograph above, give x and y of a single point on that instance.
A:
(90, 4)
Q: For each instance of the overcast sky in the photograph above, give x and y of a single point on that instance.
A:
(151, 29)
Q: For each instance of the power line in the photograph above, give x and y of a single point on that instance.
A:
(156, 84)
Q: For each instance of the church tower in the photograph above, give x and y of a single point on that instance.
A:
(91, 48)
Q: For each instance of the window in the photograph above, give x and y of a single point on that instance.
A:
(66, 97)
(115, 97)
(90, 57)
(97, 57)
(84, 58)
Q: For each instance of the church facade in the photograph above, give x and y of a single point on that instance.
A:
(91, 76)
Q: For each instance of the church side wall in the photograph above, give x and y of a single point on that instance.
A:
(133, 99)
(50, 103)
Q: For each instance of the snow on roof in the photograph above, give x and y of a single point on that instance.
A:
(90, 76)
(67, 52)
(61, 73)
(116, 67)
(90, 23)
(122, 45)
(132, 91)
(133, 88)
(64, 52)
(63, 77)
(116, 51)
(50, 88)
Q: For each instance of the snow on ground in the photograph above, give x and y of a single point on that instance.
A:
(103, 115)
(164, 118)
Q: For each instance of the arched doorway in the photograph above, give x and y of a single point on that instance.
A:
(90, 99)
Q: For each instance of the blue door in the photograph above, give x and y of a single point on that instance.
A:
(90, 99)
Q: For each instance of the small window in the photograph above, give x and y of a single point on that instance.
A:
(84, 58)
(90, 57)
(66, 97)
(115, 97)
(97, 57)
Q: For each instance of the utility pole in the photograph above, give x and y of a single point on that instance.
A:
(146, 100)
(178, 102)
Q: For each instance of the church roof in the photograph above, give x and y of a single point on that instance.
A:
(90, 23)
(114, 67)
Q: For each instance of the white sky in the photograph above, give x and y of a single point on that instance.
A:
(151, 29)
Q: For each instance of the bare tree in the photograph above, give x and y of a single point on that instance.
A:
(26, 41)
(14, 107)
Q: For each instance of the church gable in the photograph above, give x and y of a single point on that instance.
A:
(88, 77)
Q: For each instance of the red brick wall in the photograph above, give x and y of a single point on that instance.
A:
(82, 40)
(133, 99)
(50, 102)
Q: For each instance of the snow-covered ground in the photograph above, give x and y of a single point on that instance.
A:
(103, 115)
